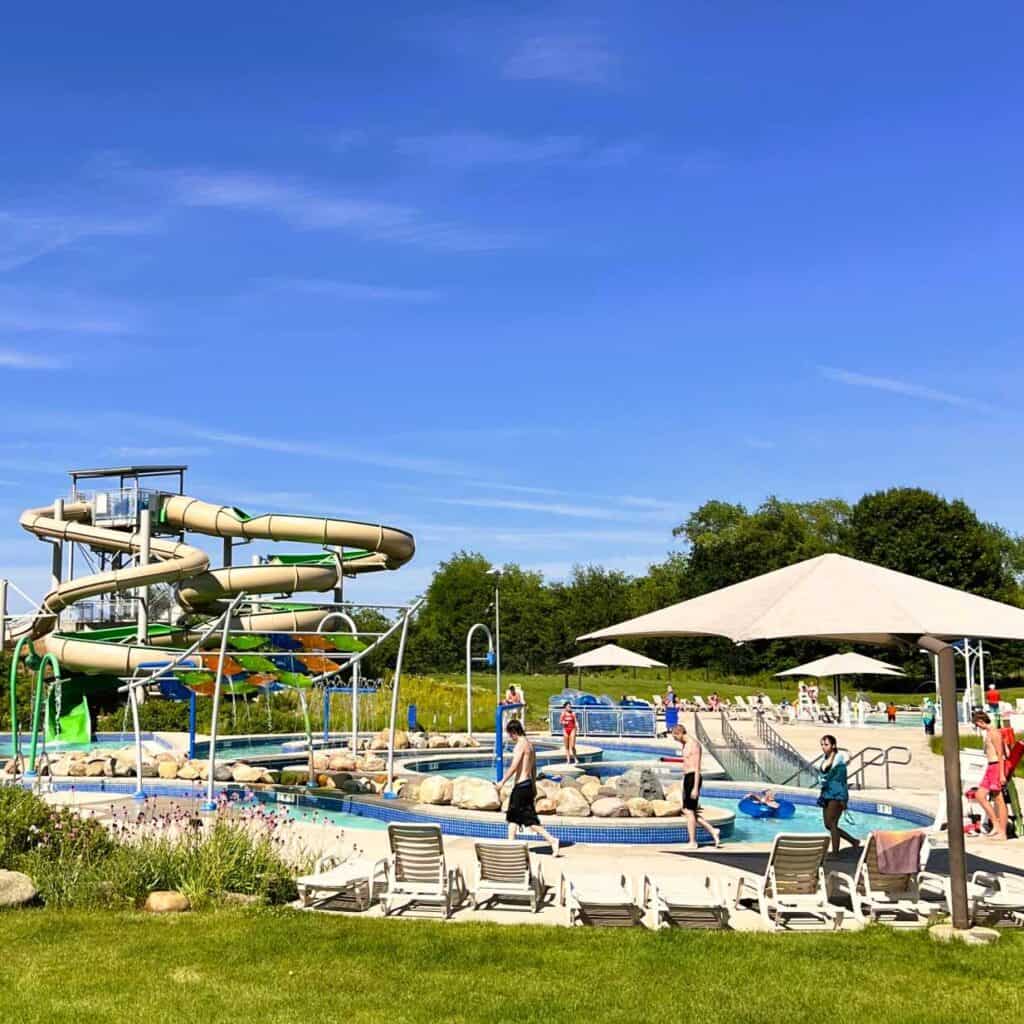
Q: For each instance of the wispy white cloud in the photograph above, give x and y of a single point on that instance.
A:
(30, 309)
(15, 359)
(473, 149)
(25, 237)
(901, 387)
(550, 508)
(308, 208)
(162, 452)
(355, 291)
(517, 488)
(581, 57)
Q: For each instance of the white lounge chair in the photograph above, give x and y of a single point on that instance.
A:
(352, 881)
(995, 897)
(699, 701)
(606, 900)
(910, 900)
(793, 886)
(687, 902)
(740, 708)
(504, 871)
(417, 872)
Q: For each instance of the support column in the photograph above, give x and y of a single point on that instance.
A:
(228, 549)
(141, 559)
(954, 785)
(3, 615)
(57, 556)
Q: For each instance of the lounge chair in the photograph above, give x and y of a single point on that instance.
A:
(700, 703)
(687, 902)
(352, 881)
(503, 871)
(910, 900)
(996, 897)
(740, 708)
(600, 900)
(417, 872)
(793, 886)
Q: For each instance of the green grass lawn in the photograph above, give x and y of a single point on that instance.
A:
(283, 966)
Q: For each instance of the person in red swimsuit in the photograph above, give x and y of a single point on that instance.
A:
(994, 779)
(568, 721)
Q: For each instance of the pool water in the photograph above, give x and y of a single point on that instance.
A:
(806, 819)
(317, 815)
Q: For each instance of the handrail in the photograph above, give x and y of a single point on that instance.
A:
(733, 746)
(858, 763)
(784, 749)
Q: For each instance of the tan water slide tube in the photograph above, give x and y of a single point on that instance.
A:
(199, 588)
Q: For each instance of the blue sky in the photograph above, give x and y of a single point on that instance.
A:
(534, 280)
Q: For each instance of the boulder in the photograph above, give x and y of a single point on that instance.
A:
(609, 807)
(166, 901)
(665, 809)
(437, 743)
(401, 739)
(674, 792)
(321, 762)
(607, 790)
(639, 807)
(436, 790)
(123, 769)
(167, 769)
(62, 766)
(591, 791)
(545, 805)
(370, 763)
(246, 773)
(573, 804)
(342, 762)
(166, 755)
(548, 788)
(475, 795)
(16, 889)
(241, 899)
(638, 782)
(584, 779)
(356, 786)
(96, 769)
(77, 768)
(149, 768)
(188, 772)
(411, 791)
(417, 740)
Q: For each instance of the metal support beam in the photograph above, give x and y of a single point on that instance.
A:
(469, 670)
(946, 660)
(389, 790)
(142, 593)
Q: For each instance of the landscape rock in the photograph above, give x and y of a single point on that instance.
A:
(411, 791)
(188, 772)
(371, 763)
(16, 889)
(167, 769)
(149, 769)
(356, 786)
(548, 788)
(166, 755)
(591, 791)
(674, 792)
(582, 780)
(246, 773)
(95, 769)
(609, 807)
(436, 791)
(166, 901)
(77, 768)
(123, 769)
(417, 740)
(607, 790)
(545, 805)
(641, 782)
(639, 807)
(241, 899)
(437, 742)
(475, 795)
(342, 763)
(223, 773)
(665, 809)
(573, 804)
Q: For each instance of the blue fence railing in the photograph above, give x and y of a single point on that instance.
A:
(599, 720)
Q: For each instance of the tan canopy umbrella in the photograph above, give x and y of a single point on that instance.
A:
(831, 597)
(839, 598)
(836, 665)
(611, 656)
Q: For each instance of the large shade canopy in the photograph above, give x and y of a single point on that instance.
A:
(843, 665)
(831, 597)
(611, 656)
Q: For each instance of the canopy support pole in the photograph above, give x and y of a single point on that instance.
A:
(946, 661)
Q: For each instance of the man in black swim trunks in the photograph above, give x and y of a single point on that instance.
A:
(523, 770)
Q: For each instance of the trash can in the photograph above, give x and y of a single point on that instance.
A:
(671, 718)
(411, 718)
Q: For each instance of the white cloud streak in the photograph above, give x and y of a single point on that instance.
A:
(550, 508)
(900, 387)
(25, 237)
(14, 359)
(354, 291)
(474, 149)
(582, 58)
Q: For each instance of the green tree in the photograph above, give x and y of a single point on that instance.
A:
(593, 597)
(920, 533)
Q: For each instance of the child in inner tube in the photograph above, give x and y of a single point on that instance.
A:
(766, 798)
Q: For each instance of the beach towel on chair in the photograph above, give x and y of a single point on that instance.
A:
(899, 853)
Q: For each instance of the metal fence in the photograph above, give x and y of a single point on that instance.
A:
(782, 761)
(598, 720)
(731, 754)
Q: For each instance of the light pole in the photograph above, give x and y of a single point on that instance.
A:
(496, 573)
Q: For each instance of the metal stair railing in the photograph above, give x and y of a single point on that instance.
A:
(784, 753)
(735, 757)
(858, 763)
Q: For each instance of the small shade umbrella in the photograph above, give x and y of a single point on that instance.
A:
(610, 656)
(836, 665)
(838, 598)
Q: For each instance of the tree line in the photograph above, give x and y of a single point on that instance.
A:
(721, 543)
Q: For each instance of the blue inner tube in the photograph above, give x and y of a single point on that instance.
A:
(753, 809)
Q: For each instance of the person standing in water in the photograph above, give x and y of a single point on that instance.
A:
(835, 793)
(522, 812)
(691, 757)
